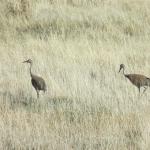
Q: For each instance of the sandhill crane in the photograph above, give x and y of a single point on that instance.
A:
(136, 79)
(37, 82)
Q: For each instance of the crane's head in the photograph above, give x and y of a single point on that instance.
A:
(28, 61)
(122, 66)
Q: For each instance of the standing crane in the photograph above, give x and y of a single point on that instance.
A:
(136, 79)
(37, 82)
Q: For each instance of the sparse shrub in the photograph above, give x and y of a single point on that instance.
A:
(18, 8)
(134, 137)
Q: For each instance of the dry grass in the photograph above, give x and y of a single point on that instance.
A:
(77, 47)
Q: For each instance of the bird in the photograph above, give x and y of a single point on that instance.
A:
(137, 79)
(37, 82)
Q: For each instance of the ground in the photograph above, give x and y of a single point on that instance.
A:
(77, 47)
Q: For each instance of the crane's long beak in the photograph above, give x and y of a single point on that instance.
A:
(25, 61)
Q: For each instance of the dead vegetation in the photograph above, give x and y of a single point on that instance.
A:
(78, 46)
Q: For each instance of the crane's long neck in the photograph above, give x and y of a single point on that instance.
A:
(31, 70)
(123, 71)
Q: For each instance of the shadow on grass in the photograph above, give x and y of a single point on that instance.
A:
(20, 100)
(73, 109)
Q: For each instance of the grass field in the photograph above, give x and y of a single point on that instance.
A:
(77, 47)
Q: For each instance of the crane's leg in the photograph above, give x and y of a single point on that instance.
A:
(145, 88)
(139, 89)
(37, 91)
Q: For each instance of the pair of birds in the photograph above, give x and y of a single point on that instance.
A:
(136, 79)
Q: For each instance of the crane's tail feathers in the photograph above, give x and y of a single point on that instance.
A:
(148, 81)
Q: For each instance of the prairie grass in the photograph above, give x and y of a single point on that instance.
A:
(77, 47)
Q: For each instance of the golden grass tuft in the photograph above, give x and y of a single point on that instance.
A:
(77, 47)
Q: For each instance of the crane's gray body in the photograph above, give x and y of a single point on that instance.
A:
(38, 83)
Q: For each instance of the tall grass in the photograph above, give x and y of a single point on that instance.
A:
(77, 47)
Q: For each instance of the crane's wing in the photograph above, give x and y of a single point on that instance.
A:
(38, 83)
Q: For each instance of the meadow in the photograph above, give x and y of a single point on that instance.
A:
(77, 47)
